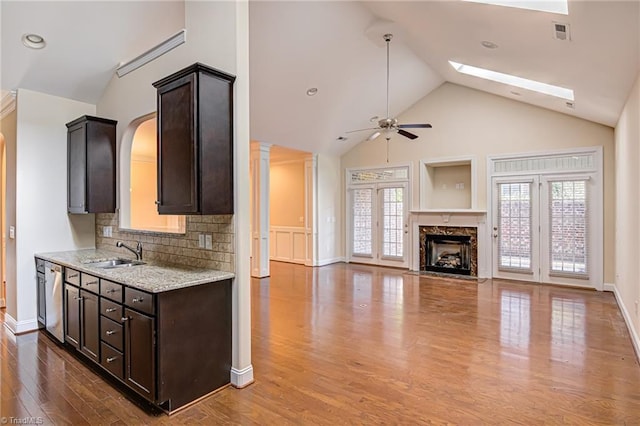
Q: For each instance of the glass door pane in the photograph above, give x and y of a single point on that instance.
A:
(393, 220)
(362, 222)
(514, 226)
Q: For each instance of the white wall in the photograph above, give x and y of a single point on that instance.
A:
(330, 246)
(8, 128)
(468, 122)
(287, 193)
(41, 220)
(627, 265)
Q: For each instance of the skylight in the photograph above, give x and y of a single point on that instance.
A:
(552, 6)
(512, 80)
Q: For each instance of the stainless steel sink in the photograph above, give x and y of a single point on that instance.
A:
(116, 263)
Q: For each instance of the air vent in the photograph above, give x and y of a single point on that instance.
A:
(561, 31)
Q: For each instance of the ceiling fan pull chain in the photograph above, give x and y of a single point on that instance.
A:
(387, 38)
(388, 150)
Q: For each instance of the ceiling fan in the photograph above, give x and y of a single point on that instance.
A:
(389, 124)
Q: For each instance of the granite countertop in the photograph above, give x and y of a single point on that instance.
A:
(152, 276)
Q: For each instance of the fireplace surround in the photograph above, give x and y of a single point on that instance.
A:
(449, 249)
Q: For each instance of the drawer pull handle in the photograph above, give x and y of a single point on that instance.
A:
(112, 358)
(112, 290)
(137, 299)
(91, 283)
(71, 275)
(108, 310)
(110, 332)
(77, 298)
(123, 319)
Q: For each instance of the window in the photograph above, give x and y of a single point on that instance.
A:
(138, 210)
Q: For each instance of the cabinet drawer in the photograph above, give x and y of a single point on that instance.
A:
(111, 290)
(40, 265)
(111, 332)
(112, 361)
(111, 309)
(139, 300)
(90, 283)
(72, 276)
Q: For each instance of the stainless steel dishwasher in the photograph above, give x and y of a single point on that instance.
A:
(53, 297)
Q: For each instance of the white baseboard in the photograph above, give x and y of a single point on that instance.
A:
(329, 261)
(242, 378)
(609, 287)
(19, 327)
(627, 319)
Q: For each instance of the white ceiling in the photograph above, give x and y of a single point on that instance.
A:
(338, 48)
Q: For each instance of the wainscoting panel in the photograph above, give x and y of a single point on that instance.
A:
(288, 244)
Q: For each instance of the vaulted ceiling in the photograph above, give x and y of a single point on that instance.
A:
(337, 47)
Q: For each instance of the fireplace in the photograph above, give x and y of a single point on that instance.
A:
(449, 249)
(448, 254)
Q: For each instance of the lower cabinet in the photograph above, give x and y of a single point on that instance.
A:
(171, 348)
(72, 315)
(139, 352)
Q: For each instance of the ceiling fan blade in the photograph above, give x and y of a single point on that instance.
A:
(407, 134)
(415, 126)
(373, 136)
(362, 130)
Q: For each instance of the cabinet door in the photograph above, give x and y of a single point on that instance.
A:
(90, 325)
(76, 177)
(42, 301)
(72, 315)
(140, 353)
(178, 172)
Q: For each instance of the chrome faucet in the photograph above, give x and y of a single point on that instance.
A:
(137, 251)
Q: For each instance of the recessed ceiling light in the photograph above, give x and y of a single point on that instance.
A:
(512, 80)
(312, 91)
(489, 44)
(33, 41)
(341, 138)
(552, 6)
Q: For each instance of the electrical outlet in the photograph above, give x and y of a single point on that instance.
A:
(201, 240)
(12, 232)
(107, 231)
(209, 242)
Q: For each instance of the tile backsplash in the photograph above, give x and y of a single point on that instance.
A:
(176, 248)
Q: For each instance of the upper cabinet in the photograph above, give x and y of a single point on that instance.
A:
(195, 142)
(91, 155)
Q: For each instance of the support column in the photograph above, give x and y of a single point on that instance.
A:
(241, 367)
(311, 209)
(260, 221)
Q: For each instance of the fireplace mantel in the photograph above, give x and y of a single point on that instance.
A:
(452, 217)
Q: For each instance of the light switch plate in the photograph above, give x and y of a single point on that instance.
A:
(201, 240)
(209, 242)
(12, 232)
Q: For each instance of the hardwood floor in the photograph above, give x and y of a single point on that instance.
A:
(366, 345)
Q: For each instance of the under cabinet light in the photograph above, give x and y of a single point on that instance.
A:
(512, 80)
(155, 52)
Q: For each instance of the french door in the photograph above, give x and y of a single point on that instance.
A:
(542, 231)
(379, 224)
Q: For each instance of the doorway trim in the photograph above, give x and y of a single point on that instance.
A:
(575, 160)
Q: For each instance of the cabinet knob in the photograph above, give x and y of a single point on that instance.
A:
(123, 319)
(111, 310)
(157, 203)
(109, 332)
(137, 300)
(112, 358)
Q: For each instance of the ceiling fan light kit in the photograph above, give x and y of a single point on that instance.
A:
(390, 125)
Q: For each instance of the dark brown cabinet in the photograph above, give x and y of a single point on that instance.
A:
(72, 315)
(91, 163)
(41, 293)
(89, 325)
(139, 353)
(195, 141)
